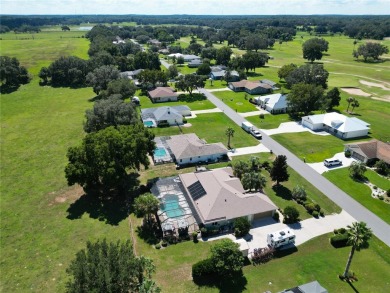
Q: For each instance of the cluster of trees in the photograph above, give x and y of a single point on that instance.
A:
(370, 50)
(250, 174)
(12, 74)
(110, 267)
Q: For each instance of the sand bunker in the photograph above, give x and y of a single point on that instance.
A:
(355, 91)
(380, 85)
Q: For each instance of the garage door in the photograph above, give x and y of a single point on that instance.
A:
(262, 215)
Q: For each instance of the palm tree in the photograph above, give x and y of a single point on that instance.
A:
(358, 236)
(355, 104)
(349, 101)
(229, 133)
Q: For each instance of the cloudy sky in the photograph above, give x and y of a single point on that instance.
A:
(219, 7)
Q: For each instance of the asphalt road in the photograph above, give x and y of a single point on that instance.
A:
(380, 228)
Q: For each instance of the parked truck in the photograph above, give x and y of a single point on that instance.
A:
(247, 126)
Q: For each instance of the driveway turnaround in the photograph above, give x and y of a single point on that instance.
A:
(260, 148)
(304, 230)
(380, 228)
(290, 127)
(320, 168)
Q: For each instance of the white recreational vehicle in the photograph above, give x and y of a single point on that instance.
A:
(280, 238)
(247, 126)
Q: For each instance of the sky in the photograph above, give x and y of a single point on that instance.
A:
(198, 7)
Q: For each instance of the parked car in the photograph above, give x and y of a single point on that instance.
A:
(332, 162)
(256, 134)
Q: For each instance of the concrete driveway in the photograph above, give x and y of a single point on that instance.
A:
(260, 148)
(291, 127)
(320, 168)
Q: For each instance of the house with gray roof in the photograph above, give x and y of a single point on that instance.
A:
(195, 63)
(270, 82)
(131, 74)
(162, 94)
(312, 287)
(162, 115)
(218, 72)
(337, 124)
(218, 198)
(189, 149)
(275, 103)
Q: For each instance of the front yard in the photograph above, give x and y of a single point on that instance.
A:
(236, 101)
(269, 121)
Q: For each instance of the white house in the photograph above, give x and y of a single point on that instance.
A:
(171, 115)
(275, 103)
(189, 149)
(337, 124)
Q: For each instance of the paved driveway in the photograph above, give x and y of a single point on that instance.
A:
(320, 168)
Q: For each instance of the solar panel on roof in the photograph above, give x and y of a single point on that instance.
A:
(196, 190)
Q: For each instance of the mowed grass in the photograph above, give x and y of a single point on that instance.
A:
(236, 101)
(313, 260)
(212, 127)
(361, 192)
(269, 121)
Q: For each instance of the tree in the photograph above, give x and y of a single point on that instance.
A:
(299, 192)
(104, 157)
(253, 180)
(355, 104)
(109, 112)
(203, 69)
(101, 77)
(313, 49)
(223, 55)
(109, 267)
(228, 75)
(372, 50)
(382, 168)
(227, 258)
(349, 101)
(240, 168)
(150, 78)
(189, 82)
(180, 60)
(291, 214)
(279, 171)
(308, 73)
(358, 236)
(229, 133)
(209, 53)
(146, 205)
(122, 86)
(251, 60)
(173, 72)
(305, 98)
(333, 98)
(147, 60)
(241, 226)
(357, 170)
(65, 28)
(12, 75)
(285, 70)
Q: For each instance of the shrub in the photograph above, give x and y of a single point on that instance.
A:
(241, 227)
(164, 244)
(204, 232)
(158, 246)
(381, 197)
(342, 230)
(203, 268)
(195, 237)
(388, 192)
(291, 214)
(276, 216)
(315, 214)
(347, 153)
(261, 116)
(317, 207)
(375, 187)
(299, 192)
(336, 231)
(322, 213)
(339, 240)
(310, 207)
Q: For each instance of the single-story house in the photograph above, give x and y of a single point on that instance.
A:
(171, 115)
(251, 87)
(154, 42)
(312, 287)
(218, 198)
(195, 63)
(186, 57)
(218, 72)
(162, 94)
(367, 151)
(337, 124)
(131, 74)
(164, 51)
(275, 103)
(270, 82)
(189, 149)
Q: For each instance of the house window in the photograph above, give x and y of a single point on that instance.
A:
(181, 160)
(190, 159)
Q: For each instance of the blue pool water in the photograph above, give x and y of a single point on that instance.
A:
(148, 123)
(171, 206)
(160, 153)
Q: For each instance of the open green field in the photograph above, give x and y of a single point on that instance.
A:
(236, 101)
(211, 127)
(269, 121)
(313, 260)
(361, 192)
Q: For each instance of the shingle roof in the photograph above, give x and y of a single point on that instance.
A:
(161, 92)
(164, 113)
(250, 84)
(225, 197)
(189, 145)
(372, 149)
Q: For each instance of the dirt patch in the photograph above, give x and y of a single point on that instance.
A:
(374, 84)
(71, 194)
(355, 91)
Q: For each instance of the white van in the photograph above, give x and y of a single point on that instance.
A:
(332, 162)
(247, 126)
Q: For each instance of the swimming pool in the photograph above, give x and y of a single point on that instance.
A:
(149, 123)
(160, 152)
(171, 207)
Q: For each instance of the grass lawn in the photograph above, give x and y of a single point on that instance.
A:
(215, 84)
(212, 127)
(269, 121)
(236, 101)
(361, 192)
